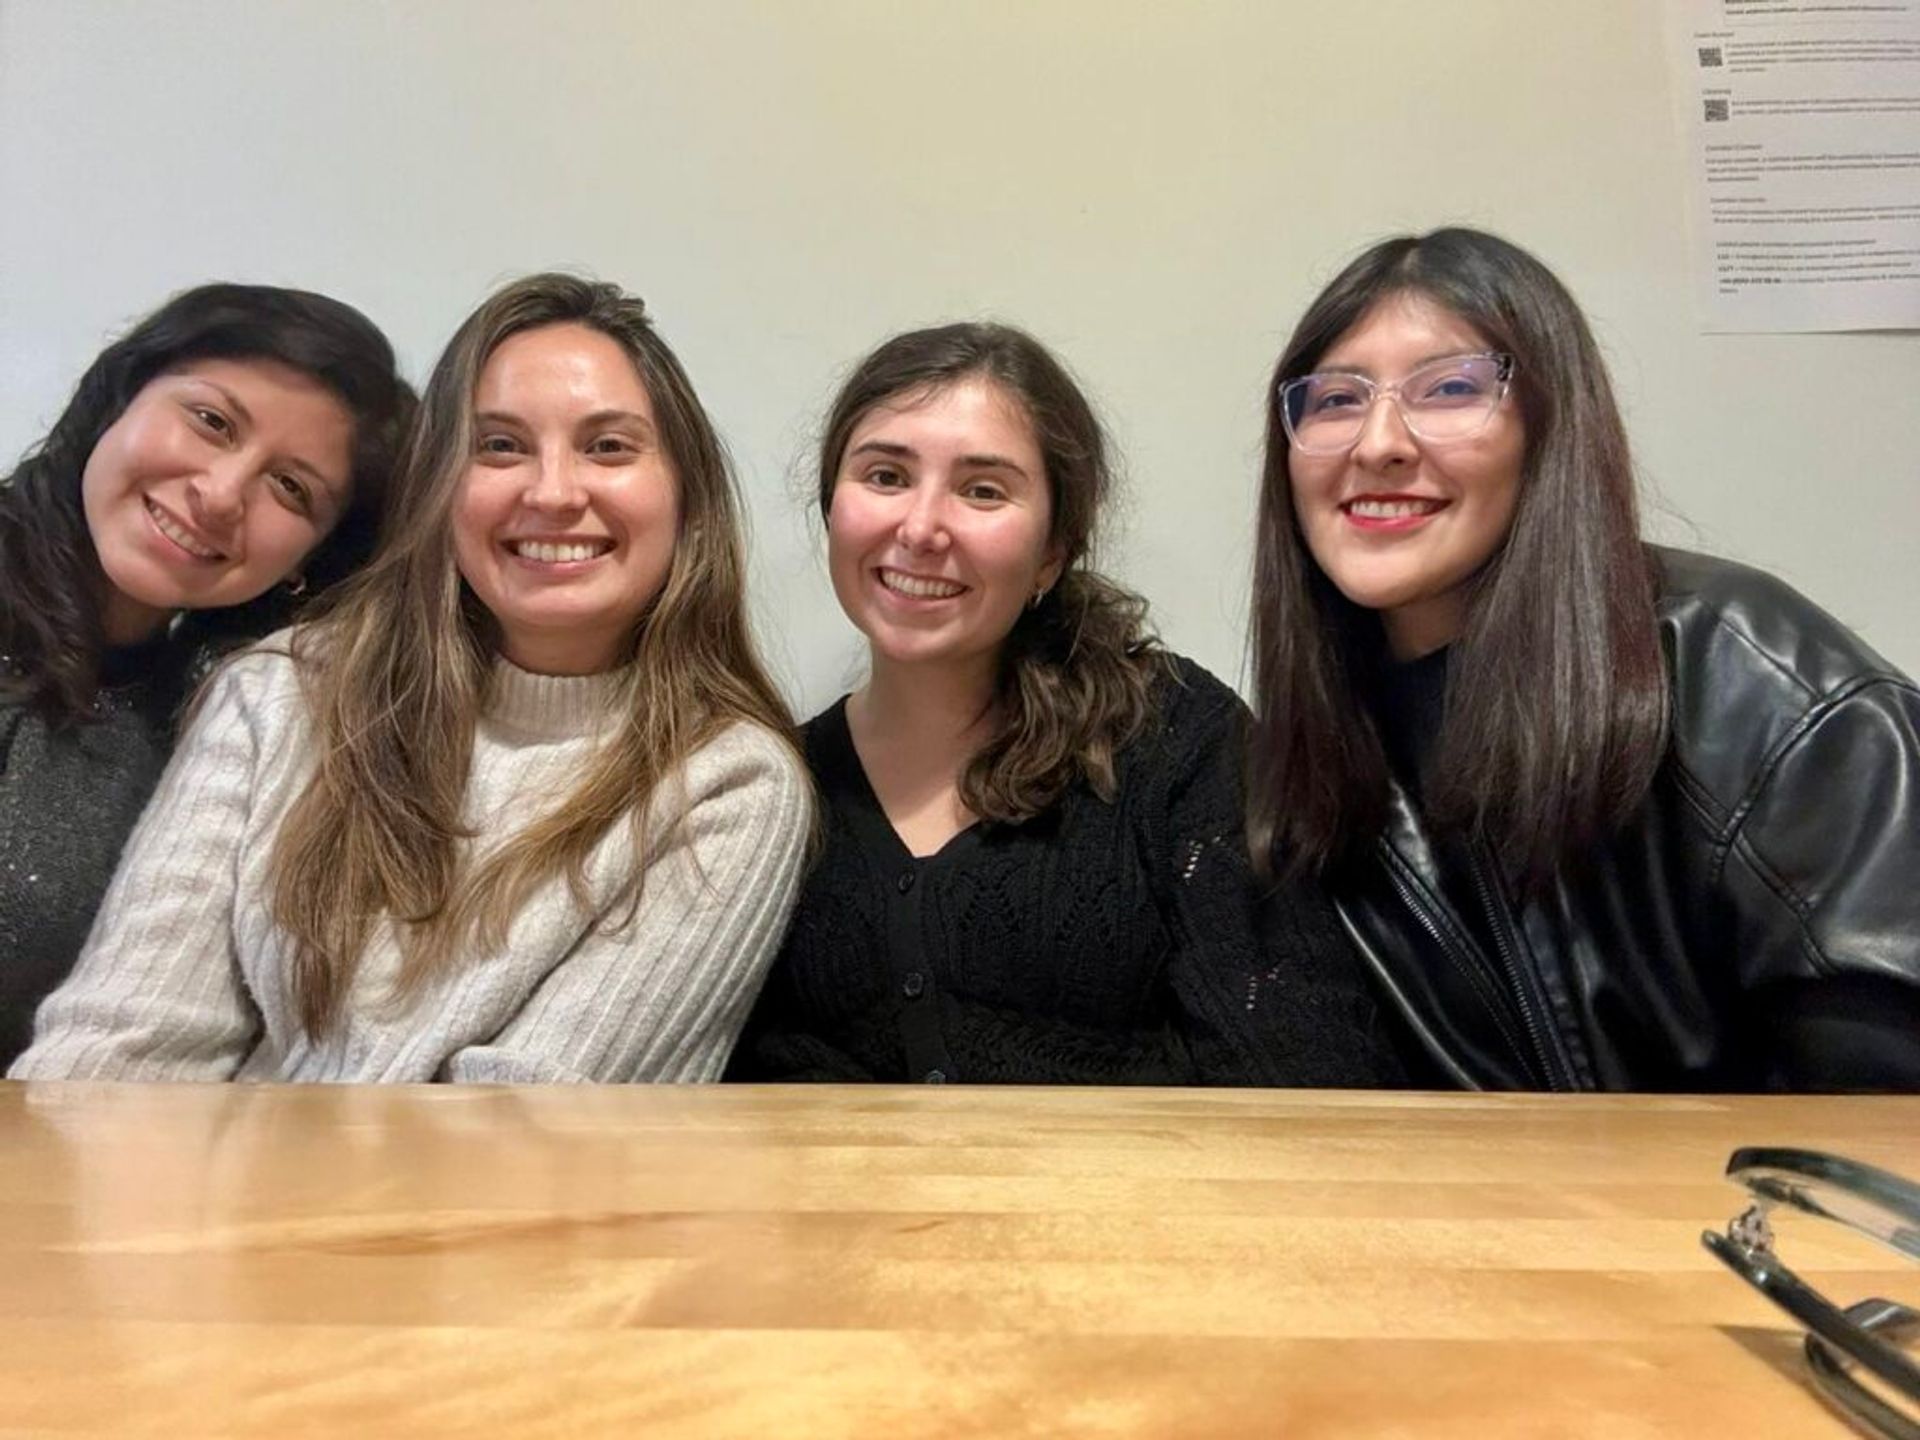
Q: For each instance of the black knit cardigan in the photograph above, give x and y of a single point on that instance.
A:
(1098, 944)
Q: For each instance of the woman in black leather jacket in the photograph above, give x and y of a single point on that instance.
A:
(1597, 815)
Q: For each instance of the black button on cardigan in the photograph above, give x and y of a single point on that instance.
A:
(1102, 942)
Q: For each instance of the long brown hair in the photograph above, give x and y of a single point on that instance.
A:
(51, 583)
(1556, 698)
(395, 676)
(1076, 671)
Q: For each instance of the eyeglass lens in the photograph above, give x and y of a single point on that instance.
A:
(1450, 399)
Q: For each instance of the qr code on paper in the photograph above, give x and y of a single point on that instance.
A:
(1711, 58)
(1717, 110)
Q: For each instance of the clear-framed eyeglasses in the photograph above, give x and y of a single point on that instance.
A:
(1854, 1353)
(1443, 402)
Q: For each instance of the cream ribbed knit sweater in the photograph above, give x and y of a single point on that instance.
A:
(185, 975)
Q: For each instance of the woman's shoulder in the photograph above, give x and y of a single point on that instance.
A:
(746, 782)
(1188, 698)
(1195, 727)
(265, 666)
(1727, 622)
(746, 752)
(825, 742)
(1753, 666)
(260, 680)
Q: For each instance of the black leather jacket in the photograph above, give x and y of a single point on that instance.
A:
(1757, 924)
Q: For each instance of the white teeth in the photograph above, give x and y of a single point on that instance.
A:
(1391, 509)
(920, 589)
(546, 553)
(173, 532)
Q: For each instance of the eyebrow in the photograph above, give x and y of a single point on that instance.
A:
(1419, 364)
(981, 461)
(233, 401)
(616, 417)
(994, 462)
(598, 417)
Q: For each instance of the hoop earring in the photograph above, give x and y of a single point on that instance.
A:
(297, 586)
(1038, 596)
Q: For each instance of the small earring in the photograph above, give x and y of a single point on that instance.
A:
(1038, 596)
(297, 586)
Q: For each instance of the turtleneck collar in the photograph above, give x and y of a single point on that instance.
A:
(549, 707)
(1409, 699)
(141, 662)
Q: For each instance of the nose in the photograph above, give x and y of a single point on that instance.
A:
(555, 484)
(217, 496)
(1384, 438)
(923, 526)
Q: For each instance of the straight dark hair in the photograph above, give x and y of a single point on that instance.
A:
(1076, 671)
(51, 583)
(1556, 704)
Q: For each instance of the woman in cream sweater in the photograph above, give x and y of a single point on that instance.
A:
(519, 807)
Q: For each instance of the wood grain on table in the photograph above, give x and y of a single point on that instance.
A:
(204, 1261)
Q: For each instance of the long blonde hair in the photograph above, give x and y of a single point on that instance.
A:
(395, 674)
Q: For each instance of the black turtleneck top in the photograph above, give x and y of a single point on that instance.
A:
(1408, 698)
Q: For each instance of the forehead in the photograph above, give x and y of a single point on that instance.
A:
(568, 365)
(1402, 330)
(259, 377)
(972, 414)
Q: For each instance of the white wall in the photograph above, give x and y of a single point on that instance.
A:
(1155, 188)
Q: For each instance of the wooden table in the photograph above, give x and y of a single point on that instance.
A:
(205, 1261)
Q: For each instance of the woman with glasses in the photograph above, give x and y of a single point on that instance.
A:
(520, 807)
(1034, 867)
(1599, 815)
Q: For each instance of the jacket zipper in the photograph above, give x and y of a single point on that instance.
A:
(1521, 995)
(1541, 1071)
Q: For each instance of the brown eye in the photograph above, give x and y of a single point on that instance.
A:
(1334, 395)
(293, 489)
(211, 419)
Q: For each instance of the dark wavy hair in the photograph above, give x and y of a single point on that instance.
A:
(1556, 702)
(51, 583)
(1077, 670)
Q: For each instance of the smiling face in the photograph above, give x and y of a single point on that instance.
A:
(1401, 525)
(566, 518)
(938, 529)
(213, 485)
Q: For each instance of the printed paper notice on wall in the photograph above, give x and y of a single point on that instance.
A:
(1802, 125)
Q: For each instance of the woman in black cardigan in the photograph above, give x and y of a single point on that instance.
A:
(1033, 867)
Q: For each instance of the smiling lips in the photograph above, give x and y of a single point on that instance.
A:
(564, 551)
(179, 534)
(918, 587)
(1391, 512)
